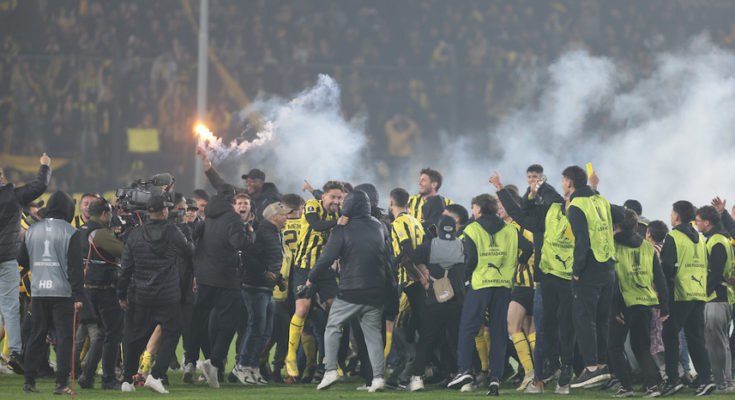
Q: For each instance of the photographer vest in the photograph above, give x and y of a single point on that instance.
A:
(100, 270)
(557, 253)
(634, 269)
(596, 210)
(497, 255)
(48, 245)
(729, 271)
(690, 282)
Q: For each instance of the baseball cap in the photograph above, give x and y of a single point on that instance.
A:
(191, 204)
(276, 209)
(447, 229)
(255, 174)
(157, 203)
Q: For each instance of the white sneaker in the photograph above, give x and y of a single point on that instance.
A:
(562, 389)
(416, 384)
(189, 371)
(155, 385)
(257, 377)
(241, 373)
(468, 387)
(210, 374)
(329, 378)
(363, 388)
(127, 387)
(378, 385)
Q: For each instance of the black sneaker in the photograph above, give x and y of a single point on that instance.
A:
(669, 388)
(15, 362)
(30, 388)
(624, 392)
(276, 376)
(588, 377)
(565, 375)
(231, 378)
(686, 378)
(460, 380)
(85, 382)
(62, 389)
(611, 385)
(705, 389)
(493, 388)
(653, 391)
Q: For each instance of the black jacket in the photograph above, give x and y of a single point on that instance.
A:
(584, 259)
(218, 240)
(266, 255)
(258, 202)
(360, 245)
(717, 260)
(12, 201)
(492, 224)
(149, 268)
(531, 215)
(633, 239)
(669, 257)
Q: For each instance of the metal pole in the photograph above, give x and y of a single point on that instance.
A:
(202, 82)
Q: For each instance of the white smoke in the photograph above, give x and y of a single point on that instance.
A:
(661, 138)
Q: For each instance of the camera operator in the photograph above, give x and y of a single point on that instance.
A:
(52, 250)
(150, 291)
(12, 201)
(102, 251)
(216, 270)
(261, 275)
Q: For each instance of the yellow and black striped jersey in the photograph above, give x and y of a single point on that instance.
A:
(415, 203)
(523, 276)
(26, 220)
(310, 241)
(405, 227)
(291, 233)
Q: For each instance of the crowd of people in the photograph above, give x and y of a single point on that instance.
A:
(533, 288)
(93, 69)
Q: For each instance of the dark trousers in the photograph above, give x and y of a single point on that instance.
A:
(591, 309)
(140, 322)
(416, 298)
(50, 313)
(109, 315)
(186, 332)
(439, 322)
(495, 300)
(690, 316)
(558, 322)
(281, 324)
(225, 303)
(638, 322)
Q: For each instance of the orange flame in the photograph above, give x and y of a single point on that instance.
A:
(204, 134)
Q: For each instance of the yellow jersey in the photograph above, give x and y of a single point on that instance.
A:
(405, 227)
(290, 242)
(523, 276)
(310, 242)
(415, 203)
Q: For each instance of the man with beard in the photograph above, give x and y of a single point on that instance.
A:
(320, 216)
(429, 183)
(83, 217)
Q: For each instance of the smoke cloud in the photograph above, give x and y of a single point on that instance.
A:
(656, 137)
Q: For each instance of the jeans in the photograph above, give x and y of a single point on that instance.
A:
(9, 283)
(261, 312)
(495, 300)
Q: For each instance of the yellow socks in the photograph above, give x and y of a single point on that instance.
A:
(146, 362)
(532, 342)
(483, 349)
(294, 338)
(388, 343)
(309, 344)
(524, 351)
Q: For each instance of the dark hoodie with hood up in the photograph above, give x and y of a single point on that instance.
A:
(149, 267)
(218, 240)
(61, 206)
(630, 238)
(492, 224)
(361, 248)
(669, 258)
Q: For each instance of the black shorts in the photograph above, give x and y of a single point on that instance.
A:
(326, 285)
(524, 297)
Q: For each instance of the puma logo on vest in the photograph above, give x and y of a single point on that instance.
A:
(491, 265)
(563, 262)
(697, 280)
(640, 286)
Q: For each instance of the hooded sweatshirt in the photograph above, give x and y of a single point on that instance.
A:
(361, 248)
(631, 238)
(717, 261)
(669, 258)
(492, 224)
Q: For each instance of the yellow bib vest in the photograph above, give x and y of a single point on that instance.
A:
(599, 224)
(497, 256)
(557, 254)
(634, 269)
(690, 283)
(729, 271)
